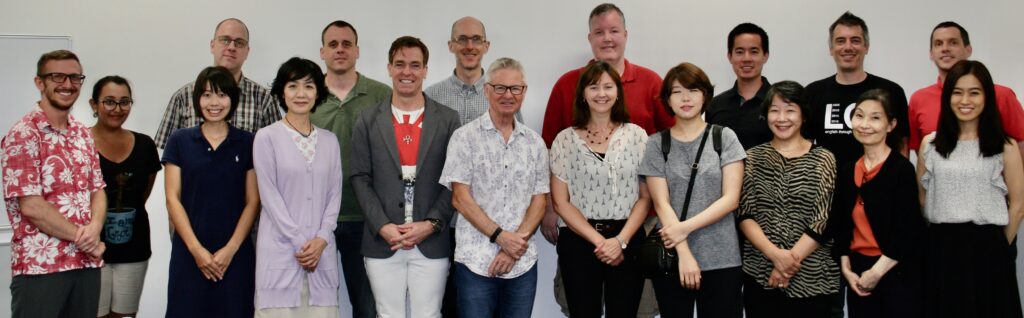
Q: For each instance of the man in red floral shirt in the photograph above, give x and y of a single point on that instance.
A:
(53, 191)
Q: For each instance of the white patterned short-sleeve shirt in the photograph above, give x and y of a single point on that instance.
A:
(503, 178)
(63, 167)
(601, 188)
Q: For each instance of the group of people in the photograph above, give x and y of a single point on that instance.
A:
(776, 199)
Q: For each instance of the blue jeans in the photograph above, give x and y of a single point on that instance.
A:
(349, 238)
(481, 296)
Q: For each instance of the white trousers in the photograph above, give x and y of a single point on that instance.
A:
(407, 273)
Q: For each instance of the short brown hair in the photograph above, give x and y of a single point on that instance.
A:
(690, 76)
(590, 76)
(55, 56)
(605, 8)
(404, 42)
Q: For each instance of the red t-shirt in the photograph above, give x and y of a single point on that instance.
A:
(924, 113)
(641, 86)
(63, 167)
(863, 238)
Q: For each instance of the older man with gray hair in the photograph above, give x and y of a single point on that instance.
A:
(497, 170)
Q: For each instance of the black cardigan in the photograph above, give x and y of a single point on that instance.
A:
(891, 205)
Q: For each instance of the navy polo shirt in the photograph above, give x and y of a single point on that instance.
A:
(745, 117)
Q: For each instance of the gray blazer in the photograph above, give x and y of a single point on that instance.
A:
(376, 176)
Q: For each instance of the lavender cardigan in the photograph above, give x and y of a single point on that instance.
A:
(300, 201)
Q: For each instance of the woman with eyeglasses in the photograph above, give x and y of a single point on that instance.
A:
(876, 219)
(600, 198)
(212, 201)
(972, 184)
(129, 162)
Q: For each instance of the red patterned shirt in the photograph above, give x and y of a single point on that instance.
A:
(63, 167)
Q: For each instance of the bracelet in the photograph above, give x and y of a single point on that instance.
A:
(494, 236)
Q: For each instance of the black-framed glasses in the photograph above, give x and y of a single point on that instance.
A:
(476, 39)
(59, 78)
(239, 42)
(514, 89)
(124, 104)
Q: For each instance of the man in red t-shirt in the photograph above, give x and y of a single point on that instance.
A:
(950, 44)
(53, 189)
(607, 37)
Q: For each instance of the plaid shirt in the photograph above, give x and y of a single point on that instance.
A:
(256, 109)
(468, 100)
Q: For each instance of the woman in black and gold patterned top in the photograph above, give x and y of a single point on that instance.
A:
(787, 191)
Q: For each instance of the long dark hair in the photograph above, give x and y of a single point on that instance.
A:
(991, 136)
(590, 76)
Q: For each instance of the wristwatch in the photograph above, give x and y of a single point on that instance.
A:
(435, 223)
(622, 242)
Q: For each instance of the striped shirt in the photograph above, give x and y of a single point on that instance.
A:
(256, 109)
(467, 100)
(790, 197)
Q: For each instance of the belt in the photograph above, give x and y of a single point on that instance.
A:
(608, 227)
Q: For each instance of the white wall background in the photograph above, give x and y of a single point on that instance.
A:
(160, 45)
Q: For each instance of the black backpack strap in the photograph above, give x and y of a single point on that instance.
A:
(693, 174)
(716, 138)
(666, 143)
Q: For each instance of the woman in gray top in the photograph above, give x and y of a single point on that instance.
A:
(971, 186)
(705, 238)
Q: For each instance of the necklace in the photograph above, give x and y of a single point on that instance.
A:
(592, 134)
(306, 135)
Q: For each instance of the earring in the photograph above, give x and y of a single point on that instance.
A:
(95, 114)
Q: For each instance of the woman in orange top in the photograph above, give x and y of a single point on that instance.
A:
(876, 219)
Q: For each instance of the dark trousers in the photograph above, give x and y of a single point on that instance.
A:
(587, 279)
(720, 295)
(898, 294)
(448, 303)
(74, 293)
(968, 272)
(770, 303)
(349, 238)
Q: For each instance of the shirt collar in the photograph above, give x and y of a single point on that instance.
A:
(233, 133)
(359, 89)
(38, 116)
(454, 81)
(487, 124)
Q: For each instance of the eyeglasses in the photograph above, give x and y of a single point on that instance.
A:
(124, 104)
(239, 43)
(59, 78)
(463, 40)
(514, 89)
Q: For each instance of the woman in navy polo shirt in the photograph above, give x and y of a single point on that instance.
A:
(212, 201)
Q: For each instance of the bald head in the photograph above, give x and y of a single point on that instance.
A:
(233, 22)
(468, 22)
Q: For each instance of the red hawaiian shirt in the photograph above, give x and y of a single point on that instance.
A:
(61, 166)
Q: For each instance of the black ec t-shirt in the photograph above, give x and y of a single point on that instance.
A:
(832, 106)
(142, 162)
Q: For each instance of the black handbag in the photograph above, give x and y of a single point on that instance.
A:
(652, 258)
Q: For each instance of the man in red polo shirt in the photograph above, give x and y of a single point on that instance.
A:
(950, 44)
(607, 37)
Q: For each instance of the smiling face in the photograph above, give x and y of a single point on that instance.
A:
(407, 71)
(848, 48)
(601, 95)
(608, 37)
(506, 104)
(112, 116)
(214, 105)
(747, 56)
(300, 95)
(870, 123)
(339, 50)
(687, 103)
(59, 95)
(968, 98)
(947, 48)
(230, 55)
(468, 43)
(784, 119)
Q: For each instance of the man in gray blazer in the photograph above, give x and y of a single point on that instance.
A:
(398, 152)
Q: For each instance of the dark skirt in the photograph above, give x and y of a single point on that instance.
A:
(969, 272)
(898, 294)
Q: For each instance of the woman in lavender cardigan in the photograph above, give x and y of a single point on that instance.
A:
(298, 167)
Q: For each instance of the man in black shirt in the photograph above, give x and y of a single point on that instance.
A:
(739, 108)
(832, 99)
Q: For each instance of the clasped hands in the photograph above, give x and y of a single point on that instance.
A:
(786, 265)
(513, 246)
(87, 239)
(406, 236)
